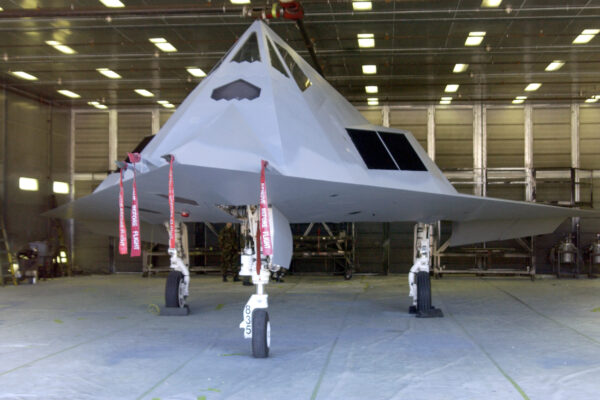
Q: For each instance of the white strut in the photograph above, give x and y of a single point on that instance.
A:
(421, 256)
(248, 268)
(180, 259)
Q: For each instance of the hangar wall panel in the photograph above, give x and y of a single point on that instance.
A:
(61, 148)
(373, 116)
(552, 149)
(32, 134)
(91, 251)
(505, 137)
(91, 141)
(454, 138)
(551, 137)
(132, 128)
(413, 120)
(2, 146)
(589, 137)
(506, 147)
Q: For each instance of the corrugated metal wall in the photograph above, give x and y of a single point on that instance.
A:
(551, 137)
(91, 142)
(33, 145)
(552, 149)
(132, 128)
(590, 137)
(414, 121)
(506, 147)
(505, 137)
(454, 138)
(2, 140)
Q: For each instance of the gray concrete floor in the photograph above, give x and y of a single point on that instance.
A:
(97, 338)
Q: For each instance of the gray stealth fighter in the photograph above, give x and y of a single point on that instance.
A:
(326, 163)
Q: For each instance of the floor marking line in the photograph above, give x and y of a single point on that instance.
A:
(157, 384)
(315, 391)
(488, 355)
(69, 348)
(591, 339)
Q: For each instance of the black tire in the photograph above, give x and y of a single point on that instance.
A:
(172, 298)
(348, 275)
(261, 333)
(423, 292)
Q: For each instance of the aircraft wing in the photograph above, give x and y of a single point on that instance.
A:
(200, 190)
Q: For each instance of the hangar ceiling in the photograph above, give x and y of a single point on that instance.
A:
(417, 45)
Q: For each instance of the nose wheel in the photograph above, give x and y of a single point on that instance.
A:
(175, 290)
(261, 333)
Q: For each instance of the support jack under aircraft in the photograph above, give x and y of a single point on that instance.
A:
(326, 162)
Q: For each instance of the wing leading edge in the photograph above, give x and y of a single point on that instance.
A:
(201, 190)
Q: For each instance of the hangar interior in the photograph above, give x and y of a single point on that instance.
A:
(493, 134)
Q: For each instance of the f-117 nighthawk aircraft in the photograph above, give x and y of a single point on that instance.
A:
(323, 162)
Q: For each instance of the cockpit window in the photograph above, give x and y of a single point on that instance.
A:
(386, 150)
(249, 51)
(371, 149)
(275, 62)
(301, 80)
(405, 156)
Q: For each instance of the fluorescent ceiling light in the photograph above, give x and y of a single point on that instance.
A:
(369, 69)
(585, 36)
(1, 9)
(491, 3)
(30, 184)
(371, 89)
(446, 98)
(144, 92)
(532, 87)
(240, 1)
(458, 68)
(451, 88)
(108, 73)
(68, 93)
(165, 103)
(60, 47)
(60, 187)
(98, 105)
(366, 40)
(592, 99)
(24, 75)
(445, 102)
(197, 72)
(373, 101)
(475, 38)
(112, 3)
(555, 65)
(163, 45)
(362, 5)
(521, 97)
(518, 101)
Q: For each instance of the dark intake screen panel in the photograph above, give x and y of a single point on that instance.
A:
(371, 149)
(406, 157)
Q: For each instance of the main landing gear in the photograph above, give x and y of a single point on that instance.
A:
(419, 279)
(178, 280)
